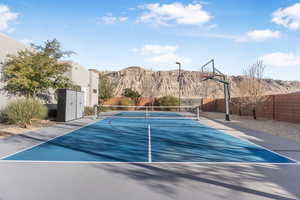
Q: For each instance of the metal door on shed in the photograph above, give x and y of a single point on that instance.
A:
(79, 104)
(70, 105)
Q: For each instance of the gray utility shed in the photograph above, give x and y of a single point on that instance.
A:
(70, 105)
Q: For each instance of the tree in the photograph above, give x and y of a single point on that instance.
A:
(168, 101)
(252, 88)
(106, 88)
(134, 95)
(32, 73)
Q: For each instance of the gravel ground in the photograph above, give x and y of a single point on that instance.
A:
(9, 130)
(278, 128)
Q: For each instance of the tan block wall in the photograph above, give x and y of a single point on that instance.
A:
(116, 101)
(285, 107)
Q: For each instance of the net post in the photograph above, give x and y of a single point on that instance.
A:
(198, 113)
(95, 112)
(147, 112)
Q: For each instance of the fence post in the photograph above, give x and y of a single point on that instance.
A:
(273, 99)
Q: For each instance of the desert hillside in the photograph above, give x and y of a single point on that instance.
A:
(161, 83)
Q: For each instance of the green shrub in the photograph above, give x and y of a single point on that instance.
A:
(103, 109)
(134, 95)
(127, 102)
(23, 111)
(168, 101)
(3, 116)
(89, 110)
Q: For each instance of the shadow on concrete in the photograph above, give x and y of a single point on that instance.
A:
(244, 179)
(265, 139)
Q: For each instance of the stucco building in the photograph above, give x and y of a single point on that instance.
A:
(85, 79)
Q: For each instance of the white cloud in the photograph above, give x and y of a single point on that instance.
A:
(164, 14)
(6, 16)
(161, 54)
(26, 41)
(288, 17)
(110, 19)
(212, 26)
(259, 35)
(281, 59)
(123, 19)
(169, 58)
(150, 49)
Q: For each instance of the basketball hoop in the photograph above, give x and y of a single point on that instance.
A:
(209, 72)
(205, 76)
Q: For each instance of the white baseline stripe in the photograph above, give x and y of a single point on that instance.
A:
(118, 162)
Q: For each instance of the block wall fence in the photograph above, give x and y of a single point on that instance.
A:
(283, 107)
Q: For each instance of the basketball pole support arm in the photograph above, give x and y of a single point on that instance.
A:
(226, 95)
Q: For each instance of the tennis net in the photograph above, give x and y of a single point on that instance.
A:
(165, 112)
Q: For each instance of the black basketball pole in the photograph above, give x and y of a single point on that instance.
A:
(226, 95)
(179, 83)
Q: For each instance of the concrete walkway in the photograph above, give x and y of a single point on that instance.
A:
(89, 181)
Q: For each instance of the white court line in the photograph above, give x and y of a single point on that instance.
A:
(149, 144)
(243, 139)
(66, 133)
(145, 162)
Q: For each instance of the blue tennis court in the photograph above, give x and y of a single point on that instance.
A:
(131, 137)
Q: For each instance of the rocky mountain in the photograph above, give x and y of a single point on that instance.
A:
(161, 83)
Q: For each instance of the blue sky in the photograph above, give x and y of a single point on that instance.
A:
(111, 35)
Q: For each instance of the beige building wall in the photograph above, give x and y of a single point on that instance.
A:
(94, 87)
(87, 80)
(7, 46)
(79, 75)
